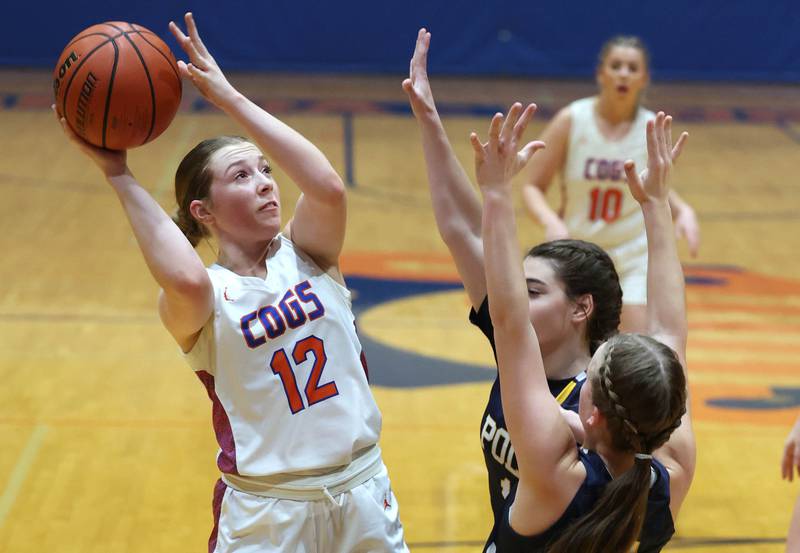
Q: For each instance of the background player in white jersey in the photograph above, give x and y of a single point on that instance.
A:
(587, 143)
(269, 331)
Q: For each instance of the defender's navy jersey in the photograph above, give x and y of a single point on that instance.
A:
(656, 532)
(498, 453)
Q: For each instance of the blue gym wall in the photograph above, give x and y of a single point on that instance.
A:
(690, 40)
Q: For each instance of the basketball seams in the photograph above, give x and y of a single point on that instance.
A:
(110, 90)
(108, 23)
(157, 49)
(149, 82)
(75, 73)
(81, 37)
(111, 32)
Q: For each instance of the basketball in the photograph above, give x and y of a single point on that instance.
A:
(117, 85)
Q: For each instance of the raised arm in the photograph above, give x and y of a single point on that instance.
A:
(186, 299)
(666, 297)
(543, 442)
(456, 206)
(318, 225)
(540, 173)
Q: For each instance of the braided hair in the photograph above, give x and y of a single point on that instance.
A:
(640, 388)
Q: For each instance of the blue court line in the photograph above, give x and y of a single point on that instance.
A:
(781, 398)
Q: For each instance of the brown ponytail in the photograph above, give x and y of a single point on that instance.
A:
(641, 389)
(193, 182)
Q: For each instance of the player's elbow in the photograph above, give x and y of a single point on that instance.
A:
(332, 190)
(189, 285)
(452, 233)
(507, 318)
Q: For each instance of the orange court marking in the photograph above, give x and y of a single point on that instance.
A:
(400, 265)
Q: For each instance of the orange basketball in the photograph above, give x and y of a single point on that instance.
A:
(117, 85)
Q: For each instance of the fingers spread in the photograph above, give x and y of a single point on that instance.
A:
(528, 150)
(177, 33)
(632, 175)
(652, 149)
(524, 119)
(188, 47)
(676, 151)
(506, 133)
(183, 69)
(494, 127)
(668, 132)
(477, 147)
(661, 142)
(191, 26)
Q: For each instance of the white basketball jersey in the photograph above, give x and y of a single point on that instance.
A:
(599, 206)
(283, 367)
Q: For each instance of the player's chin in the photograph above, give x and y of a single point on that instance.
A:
(270, 231)
(263, 228)
(273, 227)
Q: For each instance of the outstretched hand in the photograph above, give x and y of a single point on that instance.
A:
(111, 162)
(651, 184)
(417, 86)
(791, 453)
(498, 160)
(202, 69)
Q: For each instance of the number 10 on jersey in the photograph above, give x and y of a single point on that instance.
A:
(605, 204)
(314, 392)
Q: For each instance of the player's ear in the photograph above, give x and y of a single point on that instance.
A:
(583, 308)
(596, 418)
(200, 212)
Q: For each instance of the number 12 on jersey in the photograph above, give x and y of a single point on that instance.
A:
(281, 366)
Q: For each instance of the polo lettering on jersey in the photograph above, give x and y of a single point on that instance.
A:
(298, 306)
(499, 443)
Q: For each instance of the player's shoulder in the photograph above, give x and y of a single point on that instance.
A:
(576, 116)
(644, 114)
(559, 126)
(581, 107)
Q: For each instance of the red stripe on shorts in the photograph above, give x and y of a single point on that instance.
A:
(216, 507)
